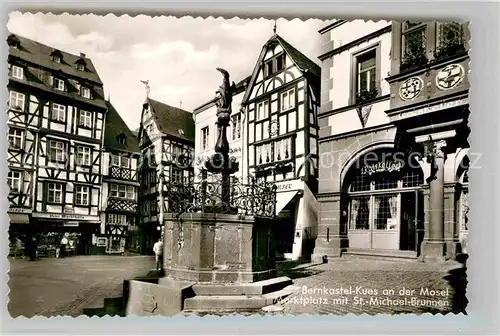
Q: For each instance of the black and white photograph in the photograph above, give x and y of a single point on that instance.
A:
(189, 166)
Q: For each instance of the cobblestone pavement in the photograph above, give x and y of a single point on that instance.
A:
(376, 287)
(52, 287)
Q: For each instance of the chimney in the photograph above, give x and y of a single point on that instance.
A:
(82, 55)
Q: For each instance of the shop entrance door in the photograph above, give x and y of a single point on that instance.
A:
(412, 224)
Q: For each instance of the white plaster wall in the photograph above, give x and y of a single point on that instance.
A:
(353, 30)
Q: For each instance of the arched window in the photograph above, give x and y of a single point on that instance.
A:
(374, 184)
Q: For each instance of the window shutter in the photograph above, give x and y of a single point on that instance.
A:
(51, 80)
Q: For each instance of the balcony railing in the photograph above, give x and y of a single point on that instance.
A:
(120, 173)
(122, 205)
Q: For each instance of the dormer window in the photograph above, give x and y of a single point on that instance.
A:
(13, 41)
(121, 139)
(80, 64)
(59, 84)
(56, 56)
(85, 92)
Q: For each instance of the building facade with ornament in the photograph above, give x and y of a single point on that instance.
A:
(277, 106)
(119, 209)
(56, 116)
(393, 140)
(166, 142)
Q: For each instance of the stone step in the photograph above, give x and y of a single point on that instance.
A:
(236, 302)
(256, 288)
(351, 253)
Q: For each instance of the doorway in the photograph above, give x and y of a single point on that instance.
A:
(412, 223)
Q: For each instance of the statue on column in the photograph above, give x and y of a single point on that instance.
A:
(434, 149)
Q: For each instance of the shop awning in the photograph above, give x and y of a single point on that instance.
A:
(283, 198)
(19, 218)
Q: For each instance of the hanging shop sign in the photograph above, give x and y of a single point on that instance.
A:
(19, 210)
(382, 167)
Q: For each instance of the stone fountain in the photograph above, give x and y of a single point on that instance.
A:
(219, 246)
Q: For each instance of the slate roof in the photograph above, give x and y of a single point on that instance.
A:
(40, 54)
(116, 126)
(302, 61)
(171, 119)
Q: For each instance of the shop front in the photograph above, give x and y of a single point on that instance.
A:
(296, 211)
(60, 235)
(385, 207)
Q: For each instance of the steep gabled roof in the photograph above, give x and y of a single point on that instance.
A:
(302, 61)
(172, 120)
(40, 54)
(116, 127)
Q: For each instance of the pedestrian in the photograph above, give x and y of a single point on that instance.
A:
(33, 248)
(158, 250)
(62, 249)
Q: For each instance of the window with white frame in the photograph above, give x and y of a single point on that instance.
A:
(85, 92)
(262, 110)
(120, 161)
(413, 43)
(366, 70)
(123, 191)
(54, 192)
(117, 219)
(177, 176)
(14, 181)
(15, 138)
(58, 112)
(236, 126)
(204, 138)
(80, 66)
(83, 154)
(288, 100)
(56, 151)
(16, 101)
(56, 58)
(85, 119)
(17, 72)
(82, 195)
(59, 84)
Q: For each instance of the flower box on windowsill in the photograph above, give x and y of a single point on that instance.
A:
(449, 50)
(412, 62)
(364, 96)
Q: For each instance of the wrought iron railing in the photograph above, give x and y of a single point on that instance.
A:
(207, 195)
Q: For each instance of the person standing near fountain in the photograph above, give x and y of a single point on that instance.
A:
(158, 250)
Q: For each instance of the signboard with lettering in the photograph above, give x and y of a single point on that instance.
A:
(71, 223)
(430, 109)
(382, 167)
(19, 210)
(289, 185)
(65, 216)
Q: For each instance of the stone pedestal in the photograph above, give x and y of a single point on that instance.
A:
(213, 263)
(218, 248)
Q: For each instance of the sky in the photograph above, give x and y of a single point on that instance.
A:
(177, 55)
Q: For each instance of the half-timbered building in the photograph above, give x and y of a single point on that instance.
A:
(282, 102)
(393, 123)
(205, 118)
(56, 113)
(120, 187)
(166, 141)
